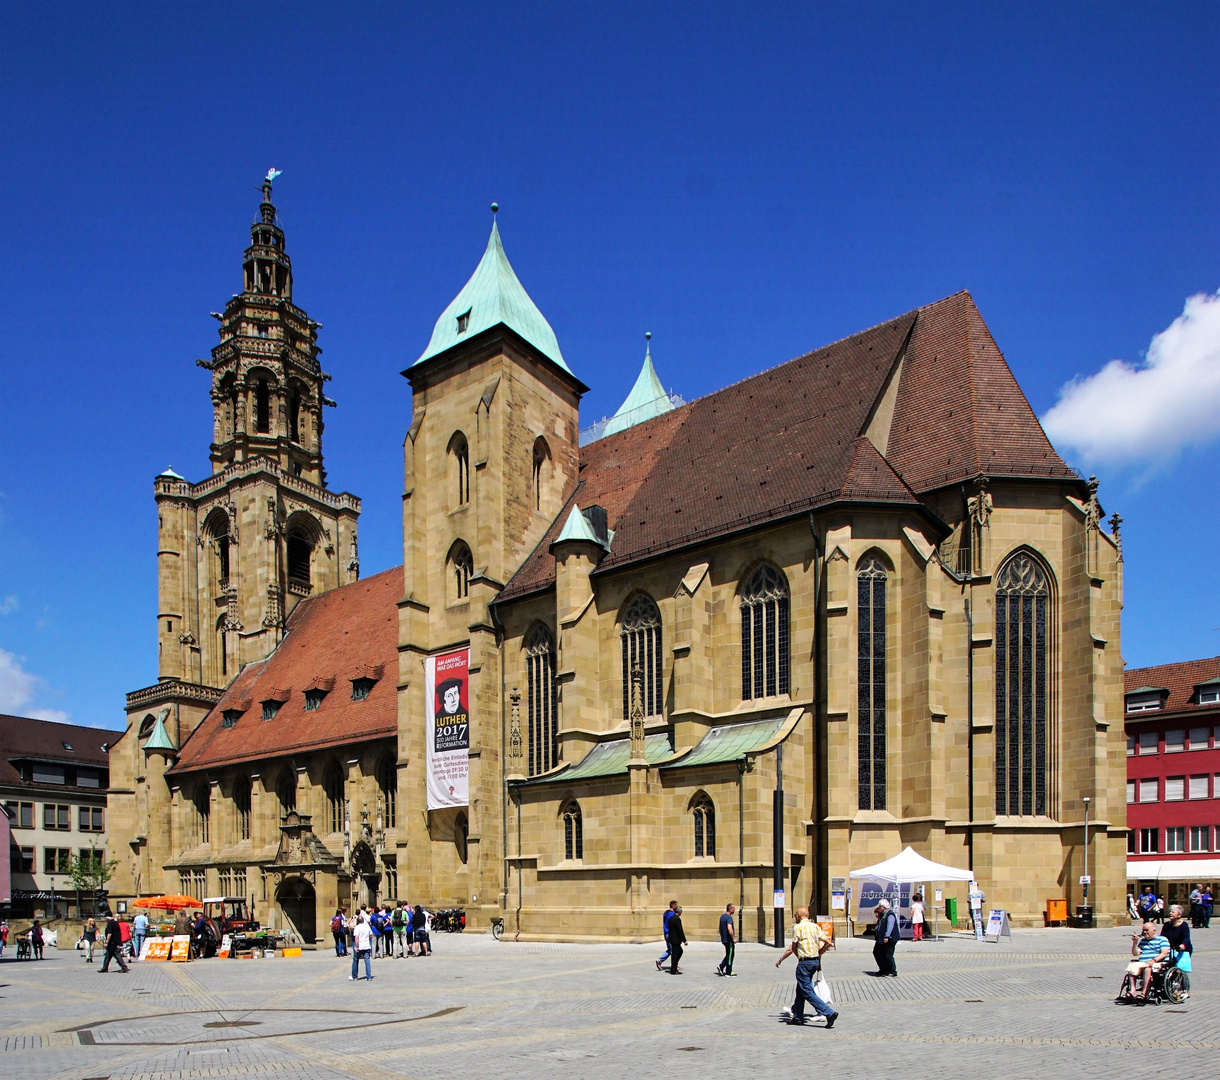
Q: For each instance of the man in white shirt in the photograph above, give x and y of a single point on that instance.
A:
(362, 942)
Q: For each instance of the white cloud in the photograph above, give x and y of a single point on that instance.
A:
(1145, 413)
(8, 605)
(17, 690)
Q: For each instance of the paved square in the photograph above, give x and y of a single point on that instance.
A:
(1039, 1007)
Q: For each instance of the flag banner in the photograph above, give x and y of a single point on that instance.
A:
(447, 701)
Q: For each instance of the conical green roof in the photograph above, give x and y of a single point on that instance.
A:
(158, 738)
(491, 297)
(646, 400)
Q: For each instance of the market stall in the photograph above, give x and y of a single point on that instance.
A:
(908, 868)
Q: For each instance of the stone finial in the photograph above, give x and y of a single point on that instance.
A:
(1092, 510)
(637, 712)
(1116, 523)
(516, 748)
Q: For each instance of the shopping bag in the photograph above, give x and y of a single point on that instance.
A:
(1182, 960)
(822, 988)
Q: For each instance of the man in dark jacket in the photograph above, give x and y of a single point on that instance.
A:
(886, 937)
(114, 946)
(677, 938)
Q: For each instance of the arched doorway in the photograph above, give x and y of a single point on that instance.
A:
(364, 871)
(299, 905)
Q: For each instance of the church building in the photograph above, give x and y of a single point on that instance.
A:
(853, 602)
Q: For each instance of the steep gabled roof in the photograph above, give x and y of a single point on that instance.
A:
(959, 411)
(491, 297)
(1178, 681)
(342, 634)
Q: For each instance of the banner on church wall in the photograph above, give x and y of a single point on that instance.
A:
(447, 757)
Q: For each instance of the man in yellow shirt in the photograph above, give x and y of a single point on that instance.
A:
(808, 942)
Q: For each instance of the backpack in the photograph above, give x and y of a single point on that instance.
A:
(396, 919)
(336, 924)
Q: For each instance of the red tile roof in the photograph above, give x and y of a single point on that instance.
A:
(23, 738)
(340, 635)
(1179, 679)
(791, 439)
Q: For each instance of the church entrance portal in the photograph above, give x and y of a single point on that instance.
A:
(364, 870)
(299, 906)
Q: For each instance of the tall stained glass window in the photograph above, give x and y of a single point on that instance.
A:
(870, 681)
(764, 635)
(641, 639)
(543, 725)
(1022, 604)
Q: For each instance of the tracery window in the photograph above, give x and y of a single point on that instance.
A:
(641, 642)
(387, 783)
(461, 567)
(203, 812)
(336, 798)
(871, 579)
(573, 832)
(764, 635)
(703, 814)
(542, 748)
(241, 807)
(1022, 610)
(459, 449)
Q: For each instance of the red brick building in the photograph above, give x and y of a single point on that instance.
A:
(1173, 776)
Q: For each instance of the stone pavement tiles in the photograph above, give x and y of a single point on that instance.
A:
(1040, 1007)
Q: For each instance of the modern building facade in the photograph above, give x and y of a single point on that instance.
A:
(1173, 776)
(861, 587)
(53, 780)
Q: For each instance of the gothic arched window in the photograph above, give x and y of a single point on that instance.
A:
(461, 837)
(459, 451)
(871, 577)
(573, 831)
(541, 468)
(262, 407)
(300, 553)
(764, 635)
(387, 784)
(543, 724)
(703, 815)
(336, 798)
(286, 790)
(641, 641)
(241, 807)
(1022, 616)
(461, 567)
(203, 812)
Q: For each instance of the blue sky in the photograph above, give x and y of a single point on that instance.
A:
(745, 181)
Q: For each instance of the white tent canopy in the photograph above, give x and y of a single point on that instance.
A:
(911, 866)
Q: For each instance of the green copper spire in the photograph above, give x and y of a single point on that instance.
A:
(158, 738)
(491, 297)
(646, 400)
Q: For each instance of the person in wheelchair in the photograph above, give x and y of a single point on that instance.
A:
(1150, 948)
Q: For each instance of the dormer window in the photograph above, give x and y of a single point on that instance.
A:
(270, 708)
(1209, 693)
(313, 698)
(463, 321)
(1144, 701)
(229, 717)
(68, 746)
(361, 688)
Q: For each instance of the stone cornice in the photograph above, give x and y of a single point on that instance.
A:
(174, 690)
(165, 487)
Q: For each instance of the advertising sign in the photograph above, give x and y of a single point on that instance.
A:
(897, 893)
(447, 735)
(155, 949)
(181, 947)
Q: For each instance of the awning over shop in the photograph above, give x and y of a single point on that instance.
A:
(1173, 869)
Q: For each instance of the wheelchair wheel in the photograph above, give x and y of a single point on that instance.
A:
(1177, 986)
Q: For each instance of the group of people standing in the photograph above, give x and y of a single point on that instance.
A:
(1201, 906)
(1150, 907)
(381, 932)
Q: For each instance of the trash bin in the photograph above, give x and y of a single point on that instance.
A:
(951, 910)
(1084, 916)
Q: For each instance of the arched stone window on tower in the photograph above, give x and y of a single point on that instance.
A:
(459, 464)
(262, 407)
(336, 797)
(573, 831)
(461, 837)
(764, 635)
(543, 727)
(703, 817)
(295, 398)
(299, 551)
(1022, 697)
(871, 577)
(216, 530)
(387, 784)
(541, 470)
(241, 807)
(640, 636)
(286, 790)
(461, 567)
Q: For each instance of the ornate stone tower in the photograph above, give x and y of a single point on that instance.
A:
(239, 549)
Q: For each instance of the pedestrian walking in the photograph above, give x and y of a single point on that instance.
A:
(677, 939)
(36, 940)
(89, 937)
(114, 947)
(808, 943)
(422, 923)
(728, 938)
(886, 936)
(139, 932)
(1207, 907)
(338, 930)
(125, 935)
(917, 910)
(3, 935)
(398, 923)
(362, 942)
(669, 914)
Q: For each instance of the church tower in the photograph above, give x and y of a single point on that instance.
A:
(238, 550)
